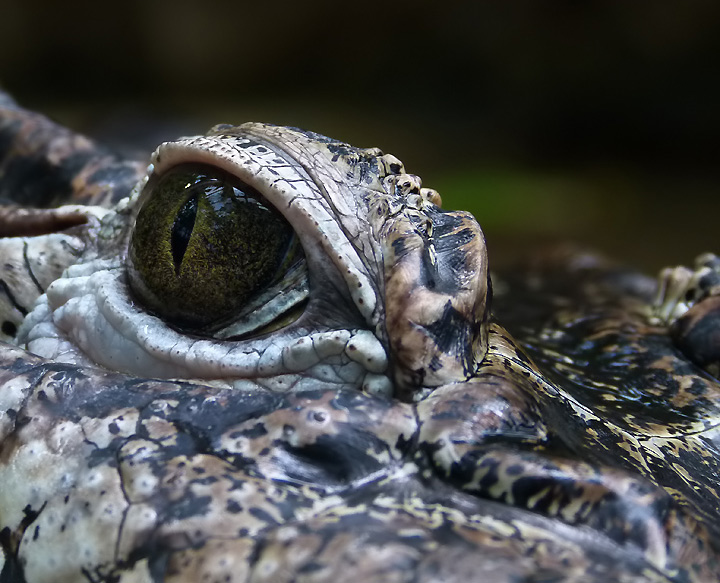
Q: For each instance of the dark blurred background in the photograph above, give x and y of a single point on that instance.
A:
(596, 121)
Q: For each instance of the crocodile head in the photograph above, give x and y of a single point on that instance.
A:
(273, 361)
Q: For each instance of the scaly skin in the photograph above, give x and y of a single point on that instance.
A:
(392, 431)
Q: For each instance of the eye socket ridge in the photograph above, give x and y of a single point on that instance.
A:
(204, 244)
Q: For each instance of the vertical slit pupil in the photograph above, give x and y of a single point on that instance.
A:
(182, 230)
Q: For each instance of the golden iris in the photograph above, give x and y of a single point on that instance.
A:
(203, 244)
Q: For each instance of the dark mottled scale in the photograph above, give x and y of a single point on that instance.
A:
(697, 334)
(43, 164)
(586, 330)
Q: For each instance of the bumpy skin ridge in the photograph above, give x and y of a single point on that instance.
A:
(574, 442)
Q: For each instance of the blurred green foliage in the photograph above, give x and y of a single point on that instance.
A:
(523, 200)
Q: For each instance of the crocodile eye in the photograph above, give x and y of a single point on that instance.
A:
(204, 244)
